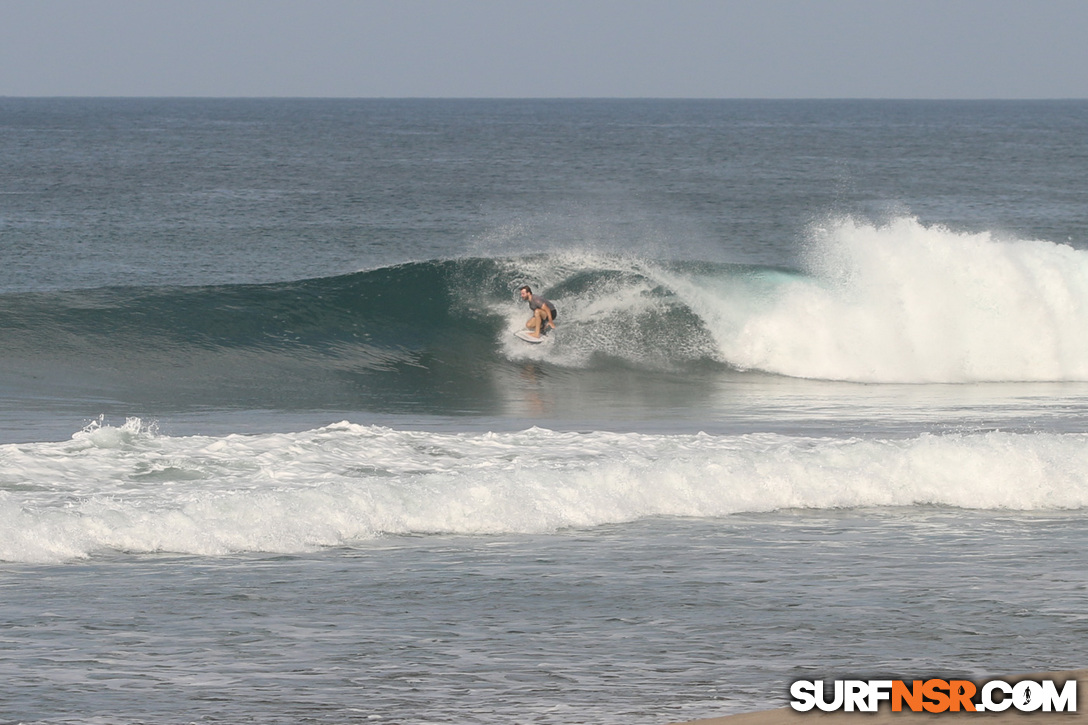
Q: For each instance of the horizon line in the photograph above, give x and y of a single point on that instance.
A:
(542, 98)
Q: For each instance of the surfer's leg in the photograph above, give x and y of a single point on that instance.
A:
(535, 323)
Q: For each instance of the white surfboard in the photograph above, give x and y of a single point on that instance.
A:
(525, 335)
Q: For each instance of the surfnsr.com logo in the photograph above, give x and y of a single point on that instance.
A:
(935, 696)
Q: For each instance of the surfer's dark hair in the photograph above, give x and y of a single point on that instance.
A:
(526, 288)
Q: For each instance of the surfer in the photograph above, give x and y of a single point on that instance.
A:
(544, 311)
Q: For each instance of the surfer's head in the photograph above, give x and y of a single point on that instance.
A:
(525, 292)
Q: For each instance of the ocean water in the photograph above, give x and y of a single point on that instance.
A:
(816, 407)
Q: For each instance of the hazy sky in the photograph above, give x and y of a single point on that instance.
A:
(546, 48)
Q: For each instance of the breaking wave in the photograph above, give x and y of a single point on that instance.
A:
(130, 489)
(898, 303)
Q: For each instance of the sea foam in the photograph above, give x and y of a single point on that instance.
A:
(909, 303)
(129, 489)
(901, 302)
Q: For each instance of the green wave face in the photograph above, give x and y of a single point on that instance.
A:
(430, 337)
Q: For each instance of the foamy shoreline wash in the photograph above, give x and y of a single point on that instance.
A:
(643, 623)
(130, 490)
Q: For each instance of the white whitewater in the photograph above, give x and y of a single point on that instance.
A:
(130, 489)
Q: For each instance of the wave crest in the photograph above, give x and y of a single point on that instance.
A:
(898, 303)
(906, 303)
